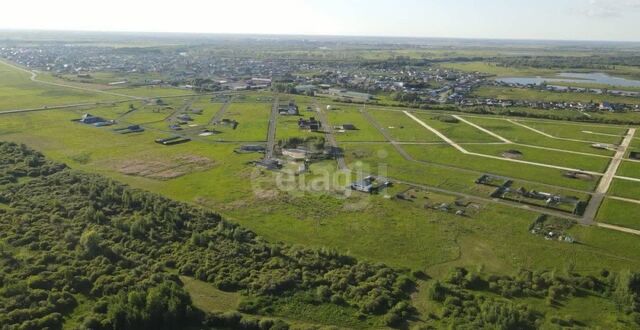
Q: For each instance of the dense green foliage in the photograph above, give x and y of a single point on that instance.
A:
(18, 161)
(74, 243)
(471, 300)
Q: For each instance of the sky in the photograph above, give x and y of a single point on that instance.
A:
(615, 20)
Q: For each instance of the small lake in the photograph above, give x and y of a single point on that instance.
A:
(573, 77)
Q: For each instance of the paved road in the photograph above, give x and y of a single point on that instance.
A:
(605, 182)
(328, 129)
(271, 134)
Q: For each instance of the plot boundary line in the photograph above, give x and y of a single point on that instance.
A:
(464, 151)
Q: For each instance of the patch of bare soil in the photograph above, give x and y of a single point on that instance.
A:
(164, 169)
(512, 154)
(579, 176)
(266, 194)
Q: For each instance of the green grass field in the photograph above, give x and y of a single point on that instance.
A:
(617, 212)
(630, 169)
(543, 156)
(625, 189)
(521, 135)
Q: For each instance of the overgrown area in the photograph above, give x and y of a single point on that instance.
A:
(83, 249)
(470, 299)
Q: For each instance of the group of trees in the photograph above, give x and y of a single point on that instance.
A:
(18, 161)
(82, 246)
(283, 87)
(406, 98)
(464, 304)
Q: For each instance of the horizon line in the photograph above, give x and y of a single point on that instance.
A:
(258, 34)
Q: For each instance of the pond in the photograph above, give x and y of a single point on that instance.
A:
(573, 77)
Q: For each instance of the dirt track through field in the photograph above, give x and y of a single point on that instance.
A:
(34, 78)
(273, 123)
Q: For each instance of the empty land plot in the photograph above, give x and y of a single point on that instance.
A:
(17, 91)
(614, 134)
(253, 119)
(351, 115)
(447, 155)
(519, 134)
(403, 128)
(625, 189)
(630, 169)
(619, 213)
(543, 156)
(601, 243)
(163, 168)
(634, 146)
(458, 132)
